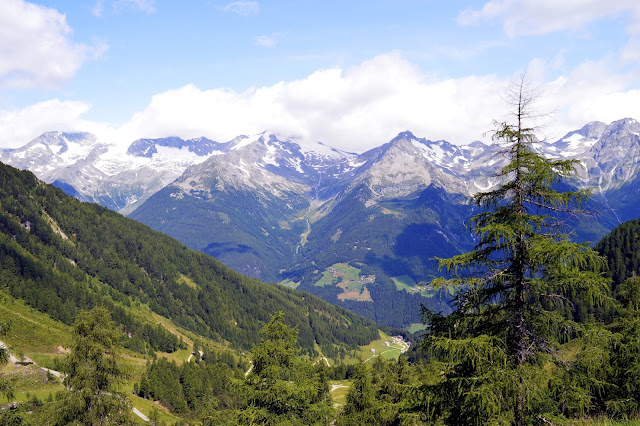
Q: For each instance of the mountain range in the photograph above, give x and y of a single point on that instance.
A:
(359, 230)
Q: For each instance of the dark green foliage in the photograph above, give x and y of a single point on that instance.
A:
(622, 250)
(624, 399)
(60, 256)
(93, 375)
(187, 389)
(281, 388)
(228, 226)
(509, 313)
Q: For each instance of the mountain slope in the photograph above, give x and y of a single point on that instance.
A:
(61, 255)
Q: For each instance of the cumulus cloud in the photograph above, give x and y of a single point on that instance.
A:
(20, 126)
(242, 8)
(36, 49)
(354, 109)
(536, 17)
(365, 106)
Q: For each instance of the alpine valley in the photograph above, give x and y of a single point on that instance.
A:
(359, 230)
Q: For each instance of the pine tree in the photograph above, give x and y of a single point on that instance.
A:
(93, 374)
(512, 288)
(282, 388)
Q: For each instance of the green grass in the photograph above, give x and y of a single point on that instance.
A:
(327, 279)
(417, 326)
(187, 281)
(391, 352)
(406, 283)
(348, 279)
(32, 332)
(339, 390)
(146, 406)
(290, 284)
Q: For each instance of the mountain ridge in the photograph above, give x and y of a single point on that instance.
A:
(284, 211)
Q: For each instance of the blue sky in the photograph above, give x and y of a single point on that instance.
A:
(350, 73)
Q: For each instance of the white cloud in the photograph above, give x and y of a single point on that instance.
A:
(355, 109)
(631, 52)
(242, 8)
(17, 127)
(147, 6)
(36, 49)
(536, 17)
(365, 106)
(98, 8)
(268, 40)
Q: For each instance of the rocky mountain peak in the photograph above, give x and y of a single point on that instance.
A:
(201, 146)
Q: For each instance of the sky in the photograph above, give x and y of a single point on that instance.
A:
(350, 73)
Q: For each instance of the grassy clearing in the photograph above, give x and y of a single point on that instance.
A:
(29, 381)
(417, 326)
(32, 332)
(408, 284)
(146, 407)
(188, 282)
(327, 279)
(289, 283)
(348, 278)
(386, 347)
(338, 390)
(404, 282)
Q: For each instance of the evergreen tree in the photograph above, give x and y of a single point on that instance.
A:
(93, 374)
(625, 402)
(512, 287)
(282, 388)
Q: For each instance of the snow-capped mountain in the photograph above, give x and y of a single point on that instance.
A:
(278, 209)
(107, 174)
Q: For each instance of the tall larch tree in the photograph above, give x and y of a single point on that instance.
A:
(513, 287)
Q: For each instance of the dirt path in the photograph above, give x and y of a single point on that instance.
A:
(334, 387)
(139, 414)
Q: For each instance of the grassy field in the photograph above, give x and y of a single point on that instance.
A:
(42, 339)
(146, 407)
(405, 282)
(338, 390)
(187, 281)
(290, 284)
(32, 333)
(348, 278)
(417, 326)
(380, 348)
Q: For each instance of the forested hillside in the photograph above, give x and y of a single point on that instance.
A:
(61, 255)
(622, 250)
